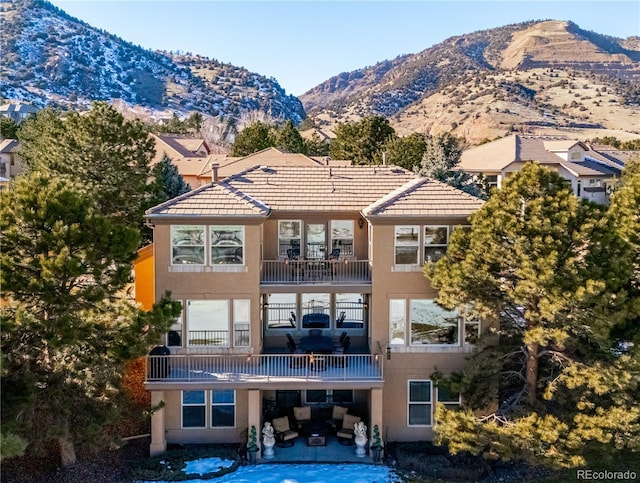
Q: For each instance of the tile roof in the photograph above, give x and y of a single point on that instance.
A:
(211, 200)
(8, 145)
(424, 197)
(180, 145)
(386, 190)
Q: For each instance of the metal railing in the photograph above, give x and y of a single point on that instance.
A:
(264, 367)
(208, 338)
(315, 271)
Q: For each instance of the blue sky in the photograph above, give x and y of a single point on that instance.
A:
(303, 43)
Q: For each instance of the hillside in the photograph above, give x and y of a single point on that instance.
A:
(50, 58)
(545, 77)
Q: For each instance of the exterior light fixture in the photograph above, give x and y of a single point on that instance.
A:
(360, 223)
(388, 353)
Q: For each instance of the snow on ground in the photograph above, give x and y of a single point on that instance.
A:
(291, 473)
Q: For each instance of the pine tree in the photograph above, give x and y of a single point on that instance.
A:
(67, 325)
(553, 274)
(251, 139)
(406, 151)
(107, 154)
(288, 139)
(361, 142)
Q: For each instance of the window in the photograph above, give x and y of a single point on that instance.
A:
(281, 311)
(491, 181)
(223, 408)
(406, 245)
(187, 244)
(193, 409)
(289, 233)
(471, 331)
(241, 322)
(316, 309)
(335, 396)
(208, 322)
(436, 239)
(397, 321)
(419, 410)
(444, 395)
(174, 336)
(342, 236)
(349, 311)
(227, 245)
(431, 324)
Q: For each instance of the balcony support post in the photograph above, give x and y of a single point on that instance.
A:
(255, 410)
(158, 444)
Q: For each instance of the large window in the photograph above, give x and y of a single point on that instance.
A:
(431, 324)
(187, 244)
(223, 408)
(349, 310)
(406, 245)
(208, 322)
(451, 399)
(241, 322)
(397, 321)
(419, 399)
(471, 331)
(342, 236)
(227, 245)
(281, 311)
(193, 409)
(436, 239)
(289, 236)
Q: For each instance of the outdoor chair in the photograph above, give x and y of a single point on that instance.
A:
(284, 434)
(339, 344)
(340, 319)
(302, 415)
(346, 433)
(341, 351)
(337, 416)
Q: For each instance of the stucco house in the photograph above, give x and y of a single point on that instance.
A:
(277, 268)
(10, 163)
(592, 173)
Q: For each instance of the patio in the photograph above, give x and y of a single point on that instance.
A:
(333, 452)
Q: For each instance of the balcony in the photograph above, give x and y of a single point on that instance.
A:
(296, 272)
(264, 368)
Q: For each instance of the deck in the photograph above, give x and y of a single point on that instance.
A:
(264, 368)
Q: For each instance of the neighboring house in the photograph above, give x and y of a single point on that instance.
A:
(314, 133)
(17, 111)
(591, 173)
(272, 252)
(10, 162)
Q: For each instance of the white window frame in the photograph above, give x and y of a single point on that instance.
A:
(241, 321)
(213, 404)
(428, 403)
(448, 403)
(230, 245)
(465, 336)
(346, 249)
(427, 243)
(203, 404)
(177, 243)
(212, 311)
(286, 241)
(401, 323)
(428, 344)
(411, 244)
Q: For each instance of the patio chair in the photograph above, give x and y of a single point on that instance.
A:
(346, 433)
(302, 415)
(337, 415)
(284, 434)
(341, 351)
(339, 344)
(340, 319)
(292, 320)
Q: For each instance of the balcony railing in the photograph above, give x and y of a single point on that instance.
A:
(264, 367)
(315, 271)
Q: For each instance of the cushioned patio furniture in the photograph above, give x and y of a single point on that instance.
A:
(302, 415)
(284, 434)
(337, 416)
(346, 433)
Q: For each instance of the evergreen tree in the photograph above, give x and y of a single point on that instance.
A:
(442, 153)
(553, 273)
(107, 154)
(255, 137)
(406, 151)
(287, 138)
(67, 325)
(8, 128)
(361, 142)
(167, 183)
(316, 146)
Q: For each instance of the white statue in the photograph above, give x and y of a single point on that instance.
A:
(268, 440)
(360, 431)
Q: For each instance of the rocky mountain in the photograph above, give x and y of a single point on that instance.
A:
(51, 58)
(534, 76)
